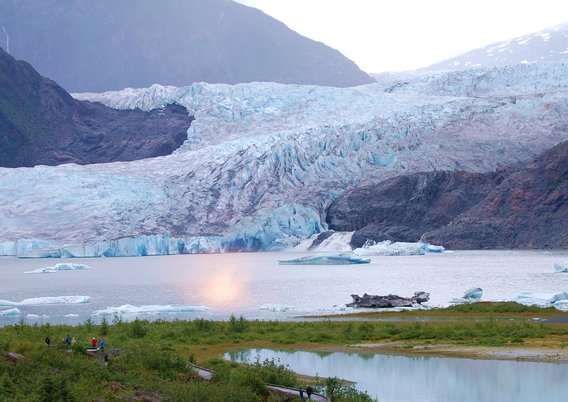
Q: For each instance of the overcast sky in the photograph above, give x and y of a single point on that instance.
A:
(397, 35)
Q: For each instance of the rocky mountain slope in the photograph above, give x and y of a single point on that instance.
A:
(528, 209)
(263, 161)
(547, 46)
(108, 45)
(41, 124)
(405, 207)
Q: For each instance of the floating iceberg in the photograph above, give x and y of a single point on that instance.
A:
(276, 308)
(10, 312)
(333, 259)
(471, 296)
(37, 301)
(128, 309)
(389, 248)
(59, 267)
(558, 300)
(561, 266)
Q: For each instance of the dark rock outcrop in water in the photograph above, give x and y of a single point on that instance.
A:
(95, 46)
(529, 209)
(40, 123)
(405, 207)
(388, 301)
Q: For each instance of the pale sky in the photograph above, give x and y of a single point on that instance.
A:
(396, 35)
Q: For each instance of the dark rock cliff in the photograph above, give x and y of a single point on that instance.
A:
(516, 208)
(404, 207)
(40, 123)
(529, 209)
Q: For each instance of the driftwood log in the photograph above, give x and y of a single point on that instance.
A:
(374, 301)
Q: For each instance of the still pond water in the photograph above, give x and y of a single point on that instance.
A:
(427, 379)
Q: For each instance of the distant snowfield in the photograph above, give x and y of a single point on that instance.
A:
(263, 161)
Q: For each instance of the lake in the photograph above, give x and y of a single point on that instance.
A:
(254, 285)
(427, 379)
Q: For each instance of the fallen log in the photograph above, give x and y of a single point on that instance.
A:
(375, 301)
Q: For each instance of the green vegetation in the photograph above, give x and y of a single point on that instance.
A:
(153, 358)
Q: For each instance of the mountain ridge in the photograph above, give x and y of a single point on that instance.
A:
(40, 123)
(109, 45)
(549, 45)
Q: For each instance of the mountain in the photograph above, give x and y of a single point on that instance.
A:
(41, 124)
(263, 161)
(528, 209)
(107, 45)
(547, 46)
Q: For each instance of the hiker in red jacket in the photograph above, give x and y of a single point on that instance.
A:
(94, 342)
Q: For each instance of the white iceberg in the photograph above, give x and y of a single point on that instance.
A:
(59, 267)
(388, 248)
(37, 301)
(561, 266)
(471, 295)
(10, 312)
(331, 259)
(128, 309)
(542, 299)
(276, 308)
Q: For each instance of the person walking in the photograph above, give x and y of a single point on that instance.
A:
(94, 342)
(309, 391)
(102, 344)
(68, 340)
(47, 341)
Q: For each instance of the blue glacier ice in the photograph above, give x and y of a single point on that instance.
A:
(263, 161)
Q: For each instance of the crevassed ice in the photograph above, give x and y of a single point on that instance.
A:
(263, 161)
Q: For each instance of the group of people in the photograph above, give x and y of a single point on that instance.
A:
(101, 343)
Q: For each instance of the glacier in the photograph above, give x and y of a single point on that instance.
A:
(263, 161)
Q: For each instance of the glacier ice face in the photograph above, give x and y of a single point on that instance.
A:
(263, 161)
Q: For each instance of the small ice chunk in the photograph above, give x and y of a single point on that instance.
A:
(10, 312)
(561, 266)
(276, 308)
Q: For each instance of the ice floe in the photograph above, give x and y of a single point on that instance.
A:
(37, 301)
(129, 310)
(558, 300)
(10, 312)
(59, 267)
(276, 308)
(561, 266)
(331, 259)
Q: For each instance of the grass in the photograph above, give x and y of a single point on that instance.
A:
(152, 357)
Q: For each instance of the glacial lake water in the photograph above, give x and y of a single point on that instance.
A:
(254, 285)
(427, 379)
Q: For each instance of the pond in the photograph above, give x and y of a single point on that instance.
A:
(393, 378)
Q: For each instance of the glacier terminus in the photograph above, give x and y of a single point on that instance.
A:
(263, 161)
